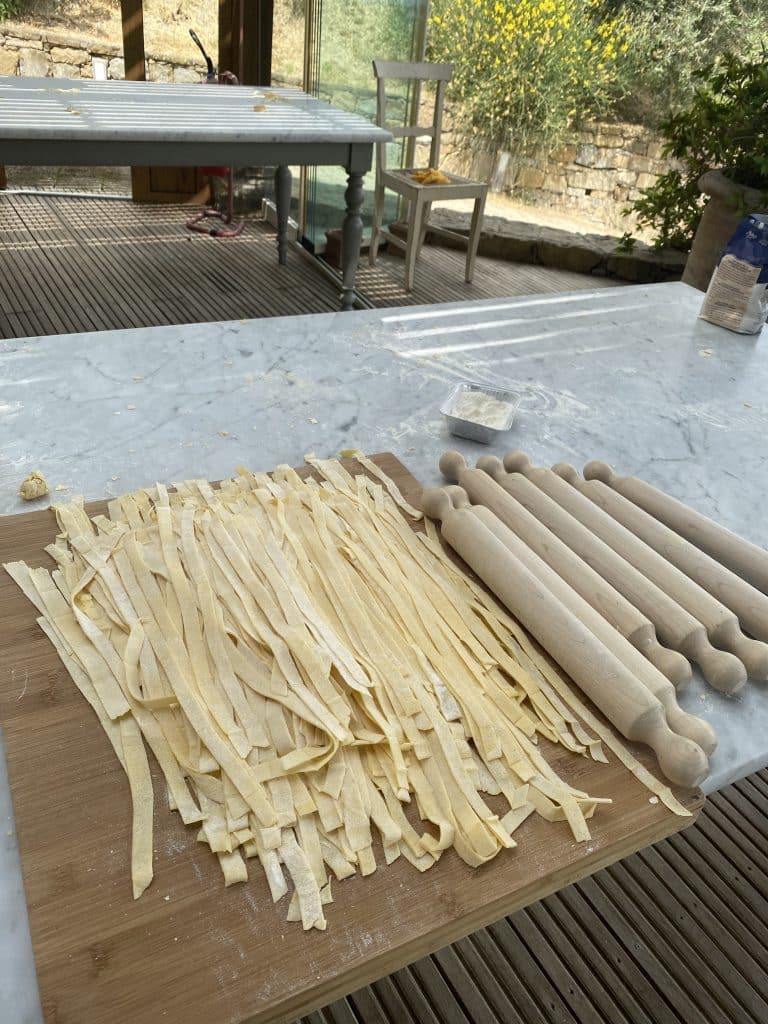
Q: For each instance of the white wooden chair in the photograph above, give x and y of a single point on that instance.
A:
(420, 197)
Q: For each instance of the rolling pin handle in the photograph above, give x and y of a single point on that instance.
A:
(672, 664)
(752, 653)
(567, 472)
(722, 670)
(459, 497)
(696, 729)
(596, 470)
(492, 465)
(682, 761)
(517, 462)
(451, 464)
(436, 504)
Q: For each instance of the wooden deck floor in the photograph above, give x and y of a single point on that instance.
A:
(675, 934)
(70, 264)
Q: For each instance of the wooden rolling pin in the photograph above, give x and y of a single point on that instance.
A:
(622, 698)
(743, 557)
(721, 624)
(605, 599)
(695, 729)
(745, 601)
(674, 625)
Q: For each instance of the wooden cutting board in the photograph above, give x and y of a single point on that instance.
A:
(190, 951)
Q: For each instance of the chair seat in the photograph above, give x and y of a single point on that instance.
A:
(401, 180)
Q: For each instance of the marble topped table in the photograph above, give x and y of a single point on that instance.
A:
(628, 375)
(56, 121)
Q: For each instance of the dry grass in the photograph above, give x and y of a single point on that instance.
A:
(166, 26)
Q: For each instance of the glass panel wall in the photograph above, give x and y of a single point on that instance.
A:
(343, 38)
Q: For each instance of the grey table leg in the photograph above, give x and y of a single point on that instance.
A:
(351, 237)
(283, 206)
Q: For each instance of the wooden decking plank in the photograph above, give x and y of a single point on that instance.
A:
(721, 973)
(519, 957)
(621, 922)
(64, 290)
(414, 997)
(13, 269)
(510, 980)
(392, 1001)
(742, 813)
(736, 846)
(725, 880)
(584, 967)
(108, 270)
(671, 947)
(552, 966)
(367, 1007)
(496, 994)
(464, 986)
(340, 1012)
(627, 980)
(738, 949)
(694, 875)
(447, 1007)
(42, 291)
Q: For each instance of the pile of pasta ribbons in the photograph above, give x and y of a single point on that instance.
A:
(312, 676)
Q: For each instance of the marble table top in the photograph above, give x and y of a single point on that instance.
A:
(92, 111)
(628, 375)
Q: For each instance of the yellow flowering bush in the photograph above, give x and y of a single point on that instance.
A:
(527, 70)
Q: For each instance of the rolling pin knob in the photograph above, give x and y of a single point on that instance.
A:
(695, 729)
(672, 664)
(435, 503)
(451, 464)
(752, 653)
(722, 670)
(517, 462)
(493, 466)
(459, 497)
(596, 470)
(567, 472)
(682, 761)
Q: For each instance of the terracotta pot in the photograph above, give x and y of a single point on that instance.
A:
(718, 222)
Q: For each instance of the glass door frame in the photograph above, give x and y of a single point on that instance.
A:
(313, 10)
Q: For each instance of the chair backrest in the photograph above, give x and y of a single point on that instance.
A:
(415, 72)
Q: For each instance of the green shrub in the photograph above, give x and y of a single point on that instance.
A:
(725, 126)
(673, 40)
(9, 8)
(528, 70)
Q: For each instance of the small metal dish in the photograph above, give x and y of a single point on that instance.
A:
(470, 429)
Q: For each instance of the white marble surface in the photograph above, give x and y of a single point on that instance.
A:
(62, 109)
(628, 375)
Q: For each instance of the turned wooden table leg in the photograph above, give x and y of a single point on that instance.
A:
(351, 237)
(283, 207)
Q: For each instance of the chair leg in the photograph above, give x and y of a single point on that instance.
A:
(414, 236)
(378, 215)
(424, 223)
(474, 237)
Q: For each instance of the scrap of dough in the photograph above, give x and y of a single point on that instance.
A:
(34, 486)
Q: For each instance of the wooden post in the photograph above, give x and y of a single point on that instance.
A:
(245, 40)
(132, 12)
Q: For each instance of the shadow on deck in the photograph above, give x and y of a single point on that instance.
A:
(72, 264)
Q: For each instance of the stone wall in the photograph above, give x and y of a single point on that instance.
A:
(600, 170)
(51, 52)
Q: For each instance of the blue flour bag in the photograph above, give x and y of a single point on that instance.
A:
(737, 297)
